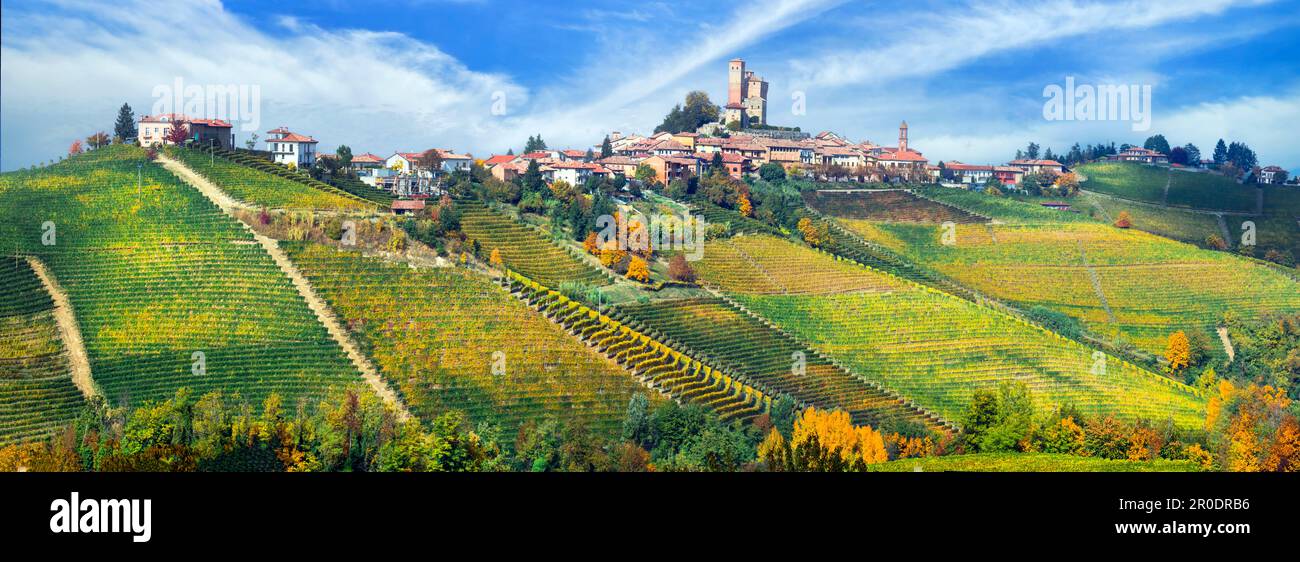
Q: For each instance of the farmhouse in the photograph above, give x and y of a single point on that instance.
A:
(153, 130)
(290, 148)
(1038, 166)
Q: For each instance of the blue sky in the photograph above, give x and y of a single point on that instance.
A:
(407, 75)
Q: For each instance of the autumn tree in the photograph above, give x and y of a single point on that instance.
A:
(178, 133)
(75, 148)
(827, 441)
(495, 258)
(816, 235)
(1178, 352)
(638, 270)
(98, 140)
(680, 270)
(1125, 220)
(744, 206)
(591, 244)
(430, 160)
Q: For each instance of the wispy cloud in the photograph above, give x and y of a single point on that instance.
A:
(929, 45)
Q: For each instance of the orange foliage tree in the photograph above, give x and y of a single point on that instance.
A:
(638, 270)
(827, 441)
(1125, 220)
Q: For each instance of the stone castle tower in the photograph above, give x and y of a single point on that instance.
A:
(746, 96)
(902, 137)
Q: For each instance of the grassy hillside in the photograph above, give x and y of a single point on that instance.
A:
(1153, 286)
(1029, 462)
(37, 395)
(434, 332)
(159, 278)
(937, 350)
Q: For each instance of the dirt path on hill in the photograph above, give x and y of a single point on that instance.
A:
(69, 332)
(324, 314)
(1227, 344)
(1169, 179)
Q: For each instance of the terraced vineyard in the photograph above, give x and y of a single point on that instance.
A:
(738, 224)
(1145, 287)
(433, 332)
(937, 350)
(745, 346)
(524, 249)
(661, 366)
(169, 292)
(764, 264)
(37, 395)
(277, 189)
(887, 206)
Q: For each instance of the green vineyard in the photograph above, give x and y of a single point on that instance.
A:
(937, 350)
(37, 395)
(745, 345)
(887, 206)
(274, 188)
(524, 249)
(1117, 282)
(436, 333)
(168, 291)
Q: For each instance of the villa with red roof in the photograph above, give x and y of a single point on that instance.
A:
(153, 130)
(290, 148)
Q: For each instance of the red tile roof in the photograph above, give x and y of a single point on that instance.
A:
(498, 159)
(903, 156)
(402, 205)
(367, 158)
(295, 137)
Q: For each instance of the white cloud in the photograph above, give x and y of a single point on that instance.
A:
(67, 70)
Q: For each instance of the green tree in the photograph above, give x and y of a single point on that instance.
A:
(636, 424)
(124, 127)
(771, 172)
(606, 150)
(1157, 143)
(344, 152)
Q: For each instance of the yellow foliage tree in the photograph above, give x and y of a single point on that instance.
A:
(827, 441)
(638, 270)
(1178, 352)
(495, 258)
(815, 235)
(591, 244)
(744, 206)
(774, 452)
